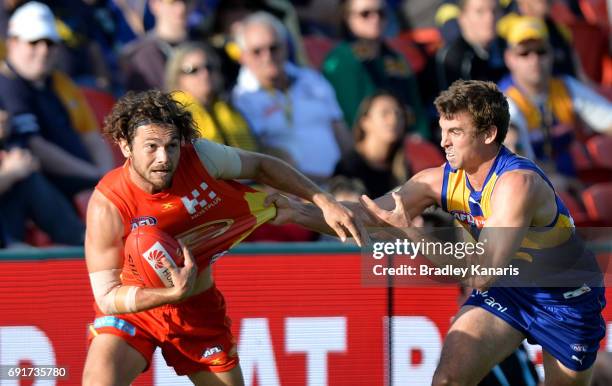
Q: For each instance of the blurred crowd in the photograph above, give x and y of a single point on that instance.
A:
(342, 90)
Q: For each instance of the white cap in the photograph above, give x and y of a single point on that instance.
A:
(33, 21)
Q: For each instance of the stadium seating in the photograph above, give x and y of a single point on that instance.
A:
(102, 102)
(81, 200)
(600, 150)
(598, 204)
(411, 52)
(317, 48)
(421, 154)
(576, 210)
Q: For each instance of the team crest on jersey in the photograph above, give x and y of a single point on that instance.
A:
(143, 221)
(200, 200)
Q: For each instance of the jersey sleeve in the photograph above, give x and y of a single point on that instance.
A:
(221, 162)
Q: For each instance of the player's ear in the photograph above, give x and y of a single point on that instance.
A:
(490, 134)
(125, 148)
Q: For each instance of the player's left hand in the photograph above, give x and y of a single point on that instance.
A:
(398, 217)
(341, 219)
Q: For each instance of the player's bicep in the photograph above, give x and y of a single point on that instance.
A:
(514, 202)
(103, 236)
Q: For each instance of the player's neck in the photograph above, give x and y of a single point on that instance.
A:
(478, 174)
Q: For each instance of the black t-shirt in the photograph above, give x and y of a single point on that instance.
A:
(37, 111)
(377, 181)
(459, 60)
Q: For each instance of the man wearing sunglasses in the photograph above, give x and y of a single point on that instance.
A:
(546, 109)
(292, 110)
(47, 112)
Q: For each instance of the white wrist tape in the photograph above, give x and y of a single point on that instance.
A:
(105, 285)
(130, 299)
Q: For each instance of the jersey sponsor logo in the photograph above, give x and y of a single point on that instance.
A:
(490, 301)
(154, 256)
(115, 322)
(201, 199)
(468, 218)
(143, 221)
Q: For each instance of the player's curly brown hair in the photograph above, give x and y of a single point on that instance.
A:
(153, 106)
(482, 100)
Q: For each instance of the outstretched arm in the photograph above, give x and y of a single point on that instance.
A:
(517, 198)
(278, 174)
(225, 162)
(416, 194)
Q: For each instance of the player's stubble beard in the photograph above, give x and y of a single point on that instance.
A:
(157, 183)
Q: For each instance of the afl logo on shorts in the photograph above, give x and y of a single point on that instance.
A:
(579, 347)
(210, 351)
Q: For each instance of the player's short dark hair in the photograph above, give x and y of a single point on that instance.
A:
(142, 108)
(483, 101)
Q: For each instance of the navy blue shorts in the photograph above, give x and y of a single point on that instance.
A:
(568, 327)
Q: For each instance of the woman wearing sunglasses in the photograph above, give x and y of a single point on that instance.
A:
(193, 72)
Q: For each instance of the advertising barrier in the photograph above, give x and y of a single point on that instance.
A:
(300, 313)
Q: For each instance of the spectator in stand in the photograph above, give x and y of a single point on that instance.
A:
(478, 52)
(565, 61)
(194, 72)
(226, 22)
(292, 110)
(143, 61)
(80, 56)
(377, 158)
(546, 109)
(363, 63)
(25, 193)
(346, 189)
(47, 112)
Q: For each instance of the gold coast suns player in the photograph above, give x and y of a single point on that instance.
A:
(185, 187)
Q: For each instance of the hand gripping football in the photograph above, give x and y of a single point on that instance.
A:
(145, 247)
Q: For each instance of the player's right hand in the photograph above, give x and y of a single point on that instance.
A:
(285, 211)
(184, 278)
(398, 217)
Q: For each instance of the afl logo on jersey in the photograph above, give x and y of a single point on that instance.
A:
(142, 221)
(468, 218)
